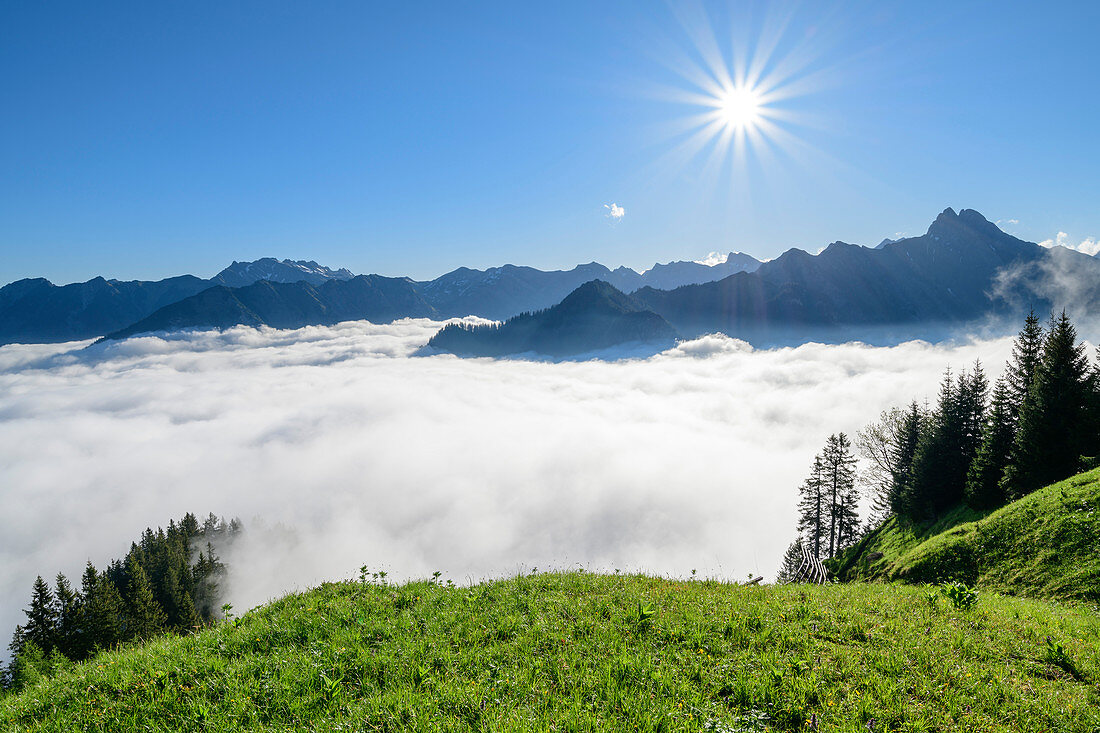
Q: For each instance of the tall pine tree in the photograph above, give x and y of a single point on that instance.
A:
(144, 616)
(948, 446)
(1052, 432)
(813, 511)
(41, 626)
(828, 518)
(983, 480)
(67, 605)
(1026, 352)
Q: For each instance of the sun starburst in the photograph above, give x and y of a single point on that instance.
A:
(739, 91)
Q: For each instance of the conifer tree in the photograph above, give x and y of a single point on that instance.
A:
(144, 616)
(67, 605)
(41, 626)
(839, 476)
(904, 451)
(792, 561)
(1050, 438)
(814, 510)
(983, 480)
(103, 612)
(948, 446)
(1026, 351)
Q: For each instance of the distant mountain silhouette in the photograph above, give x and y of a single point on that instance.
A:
(502, 292)
(34, 311)
(594, 316)
(240, 274)
(37, 311)
(963, 270)
(290, 305)
(955, 273)
(677, 274)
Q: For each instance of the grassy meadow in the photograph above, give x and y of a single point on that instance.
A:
(584, 652)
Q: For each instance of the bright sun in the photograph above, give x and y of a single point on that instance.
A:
(739, 108)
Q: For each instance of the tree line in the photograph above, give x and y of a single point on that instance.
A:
(169, 582)
(979, 446)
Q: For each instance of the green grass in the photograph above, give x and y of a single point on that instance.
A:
(1046, 545)
(882, 554)
(584, 652)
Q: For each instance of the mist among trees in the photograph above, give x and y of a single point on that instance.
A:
(979, 445)
(171, 581)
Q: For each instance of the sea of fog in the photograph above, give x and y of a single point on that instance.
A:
(341, 447)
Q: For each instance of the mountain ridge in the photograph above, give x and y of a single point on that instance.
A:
(34, 310)
(963, 270)
(595, 316)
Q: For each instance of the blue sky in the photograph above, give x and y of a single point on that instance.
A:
(142, 140)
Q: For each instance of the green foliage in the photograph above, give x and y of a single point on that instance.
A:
(962, 596)
(1043, 545)
(947, 446)
(828, 517)
(158, 588)
(983, 480)
(563, 652)
(1053, 427)
(1058, 656)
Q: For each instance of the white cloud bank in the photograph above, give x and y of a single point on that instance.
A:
(688, 459)
(1088, 245)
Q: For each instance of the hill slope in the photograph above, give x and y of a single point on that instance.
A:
(594, 316)
(289, 305)
(583, 652)
(1044, 545)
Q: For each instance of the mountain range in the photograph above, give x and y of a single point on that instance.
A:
(963, 270)
(37, 311)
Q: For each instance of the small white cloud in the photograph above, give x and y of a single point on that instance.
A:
(614, 212)
(1088, 245)
(714, 258)
(1012, 222)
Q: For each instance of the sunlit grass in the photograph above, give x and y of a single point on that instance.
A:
(577, 651)
(1043, 546)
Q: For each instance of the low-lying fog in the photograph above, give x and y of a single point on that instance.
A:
(338, 448)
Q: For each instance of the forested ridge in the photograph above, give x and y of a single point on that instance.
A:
(170, 581)
(975, 449)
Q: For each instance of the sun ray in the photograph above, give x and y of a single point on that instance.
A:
(739, 93)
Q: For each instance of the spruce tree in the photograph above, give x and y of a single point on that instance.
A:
(41, 626)
(144, 616)
(839, 474)
(948, 446)
(792, 562)
(67, 604)
(983, 480)
(103, 613)
(1026, 352)
(905, 450)
(813, 510)
(1051, 436)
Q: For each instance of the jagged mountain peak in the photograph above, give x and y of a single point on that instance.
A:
(949, 225)
(241, 274)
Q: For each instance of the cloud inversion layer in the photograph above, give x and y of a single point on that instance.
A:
(358, 453)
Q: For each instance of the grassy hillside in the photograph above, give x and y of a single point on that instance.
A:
(1046, 545)
(576, 651)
